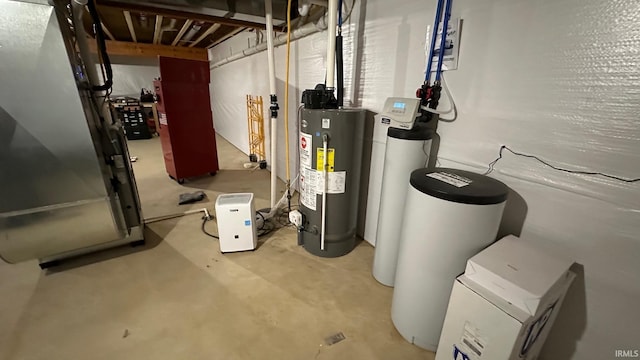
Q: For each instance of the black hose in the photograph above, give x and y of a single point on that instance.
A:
(204, 222)
(102, 47)
(340, 70)
(262, 231)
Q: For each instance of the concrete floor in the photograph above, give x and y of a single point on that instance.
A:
(179, 298)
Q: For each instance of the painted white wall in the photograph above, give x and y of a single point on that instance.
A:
(249, 76)
(558, 79)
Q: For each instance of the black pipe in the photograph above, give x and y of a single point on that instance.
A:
(339, 70)
(102, 47)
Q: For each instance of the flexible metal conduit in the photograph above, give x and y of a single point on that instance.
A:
(306, 30)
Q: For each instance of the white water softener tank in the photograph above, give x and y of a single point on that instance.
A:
(407, 150)
(398, 113)
(450, 215)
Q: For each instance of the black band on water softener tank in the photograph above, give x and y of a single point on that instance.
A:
(459, 186)
(417, 133)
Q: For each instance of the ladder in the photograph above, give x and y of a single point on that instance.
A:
(255, 122)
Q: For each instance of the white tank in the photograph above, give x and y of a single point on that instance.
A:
(450, 215)
(407, 150)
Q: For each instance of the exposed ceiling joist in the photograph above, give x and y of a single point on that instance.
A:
(156, 32)
(132, 31)
(179, 14)
(102, 25)
(182, 31)
(107, 32)
(149, 50)
(208, 32)
(226, 36)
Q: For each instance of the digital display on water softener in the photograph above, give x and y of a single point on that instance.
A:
(399, 107)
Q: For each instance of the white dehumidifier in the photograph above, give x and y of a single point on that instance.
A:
(236, 216)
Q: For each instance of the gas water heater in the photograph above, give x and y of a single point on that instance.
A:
(331, 142)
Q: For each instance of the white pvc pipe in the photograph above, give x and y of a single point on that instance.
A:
(303, 8)
(331, 42)
(322, 3)
(274, 148)
(272, 91)
(307, 29)
(78, 8)
(270, 46)
(355, 58)
(324, 190)
(173, 216)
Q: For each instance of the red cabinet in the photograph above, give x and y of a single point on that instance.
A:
(184, 115)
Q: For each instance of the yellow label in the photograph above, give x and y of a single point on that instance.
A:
(320, 159)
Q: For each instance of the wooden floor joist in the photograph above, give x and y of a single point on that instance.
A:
(213, 28)
(179, 14)
(129, 21)
(226, 36)
(149, 50)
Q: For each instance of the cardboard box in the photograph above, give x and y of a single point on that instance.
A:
(504, 305)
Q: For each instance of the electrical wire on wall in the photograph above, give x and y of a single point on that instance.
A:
(546, 163)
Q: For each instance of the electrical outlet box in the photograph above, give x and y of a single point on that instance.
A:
(295, 217)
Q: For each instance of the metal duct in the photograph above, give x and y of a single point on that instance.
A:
(192, 32)
(55, 185)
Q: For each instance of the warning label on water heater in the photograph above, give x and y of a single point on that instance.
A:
(306, 146)
(330, 159)
(451, 179)
(308, 187)
(336, 183)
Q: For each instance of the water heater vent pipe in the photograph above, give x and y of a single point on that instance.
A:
(331, 43)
